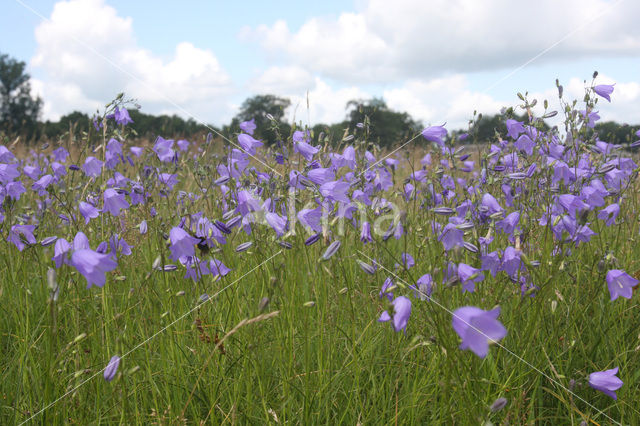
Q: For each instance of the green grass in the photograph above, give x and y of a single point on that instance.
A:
(326, 362)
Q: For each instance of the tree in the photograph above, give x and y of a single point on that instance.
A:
(19, 111)
(259, 108)
(615, 133)
(386, 127)
(486, 127)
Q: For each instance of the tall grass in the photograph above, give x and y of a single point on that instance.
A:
(287, 338)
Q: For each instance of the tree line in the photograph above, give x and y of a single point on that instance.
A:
(20, 116)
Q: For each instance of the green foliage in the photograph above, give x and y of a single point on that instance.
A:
(19, 110)
(385, 126)
(74, 122)
(486, 127)
(259, 108)
(151, 126)
(612, 132)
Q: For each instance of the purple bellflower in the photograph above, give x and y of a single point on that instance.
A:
(606, 382)
(401, 313)
(620, 284)
(604, 90)
(435, 134)
(93, 265)
(477, 328)
(112, 368)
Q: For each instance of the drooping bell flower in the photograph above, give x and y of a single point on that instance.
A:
(15, 190)
(92, 167)
(88, 211)
(469, 276)
(60, 154)
(58, 169)
(217, 268)
(477, 328)
(121, 116)
(321, 175)
(114, 202)
(41, 184)
(168, 179)
(451, 237)
(490, 204)
(590, 118)
(620, 284)
(514, 128)
(511, 262)
(606, 382)
(248, 126)
(182, 244)
(365, 234)
(335, 191)
(435, 134)
(112, 368)
(136, 150)
(248, 143)
(247, 203)
(401, 307)
(604, 90)
(311, 219)
(60, 250)
(113, 154)
(164, 149)
(424, 287)
(525, 144)
(19, 234)
(609, 213)
(277, 222)
(301, 146)
(93, 265)
(407, 260)
(509, 223)
(387, 285)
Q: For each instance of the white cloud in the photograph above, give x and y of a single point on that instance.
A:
(326, 103)
(387, 41)
(625, 100)
(89, 54)
(444, 99)
(419, 58)
(288, 79)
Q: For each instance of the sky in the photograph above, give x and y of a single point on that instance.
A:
(437, 60)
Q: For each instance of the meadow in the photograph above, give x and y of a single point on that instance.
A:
(323, 282)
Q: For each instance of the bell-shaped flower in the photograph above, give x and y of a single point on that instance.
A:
(477, 328)
(620, 284)
(92, 167)
(19, 234)
(248, 126)
(182, 244)
(114, 202)
(606, 382)
(88, 211)
(401, 309)
(93, 265)
(604, 90)
(435, 134)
